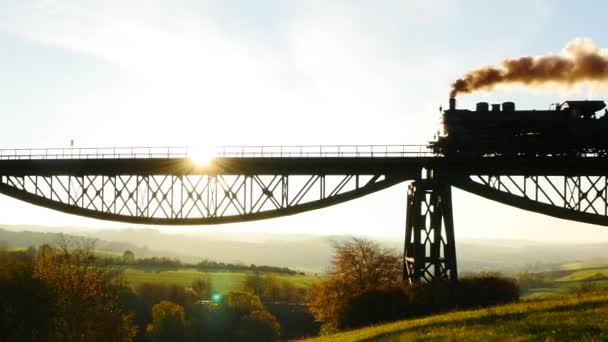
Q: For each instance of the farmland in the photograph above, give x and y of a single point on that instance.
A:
(221, 281)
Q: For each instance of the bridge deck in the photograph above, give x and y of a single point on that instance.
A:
(408, 167)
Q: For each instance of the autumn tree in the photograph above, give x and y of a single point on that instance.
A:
(364, 263)
(241, 317)
(88, 306)
(357, 265)
(27, 306)
(168, 322)
(258, 326)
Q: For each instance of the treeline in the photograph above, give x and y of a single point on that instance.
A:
(129, 259)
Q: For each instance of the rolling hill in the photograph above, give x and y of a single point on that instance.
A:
(575, 317)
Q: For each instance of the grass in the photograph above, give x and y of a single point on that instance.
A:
(585, 274)
(221, 281)
(574, 317)
(577, 265)
(571, 277)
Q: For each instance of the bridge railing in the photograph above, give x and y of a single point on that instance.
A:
(304, 151)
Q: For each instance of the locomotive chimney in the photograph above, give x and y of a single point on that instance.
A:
(452, 103)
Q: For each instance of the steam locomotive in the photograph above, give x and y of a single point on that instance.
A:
(573, 128)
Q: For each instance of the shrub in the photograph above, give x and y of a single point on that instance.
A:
(486, 290)
(375, 305)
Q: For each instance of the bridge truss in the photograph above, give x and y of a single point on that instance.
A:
(165, 186)
(190, 199)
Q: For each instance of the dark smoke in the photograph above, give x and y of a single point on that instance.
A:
(579, 62)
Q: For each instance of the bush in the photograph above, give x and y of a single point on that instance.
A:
(345, 308)
(486, 290)
(257, 326)
(376, 305)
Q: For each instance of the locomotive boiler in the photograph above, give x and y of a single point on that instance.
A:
(573, 128)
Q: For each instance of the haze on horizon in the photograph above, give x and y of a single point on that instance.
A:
(200, 73)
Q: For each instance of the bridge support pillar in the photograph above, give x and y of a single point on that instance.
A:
(430, 250)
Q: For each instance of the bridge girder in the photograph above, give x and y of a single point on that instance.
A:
(580, 198)
(191, 199)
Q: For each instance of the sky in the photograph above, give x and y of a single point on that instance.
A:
(199, 73)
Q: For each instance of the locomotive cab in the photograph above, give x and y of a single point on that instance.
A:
(584, 109)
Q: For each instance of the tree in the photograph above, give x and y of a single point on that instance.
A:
(364, 263)
(27, 306)
(254, 283)
(202, 287)
(328, 300)
(149, 294)
(272, 289)
(88, 306)
(128, 257)
(241, 317)
(358, 264)
(258, 326)
(168, 322)
(240, 303)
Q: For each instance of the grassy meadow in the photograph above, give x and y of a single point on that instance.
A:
(221, 281)
(573, 317)
(570, 277)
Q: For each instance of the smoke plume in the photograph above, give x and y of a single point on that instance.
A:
(580, 61)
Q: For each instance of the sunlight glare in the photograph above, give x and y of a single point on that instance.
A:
(202, 156)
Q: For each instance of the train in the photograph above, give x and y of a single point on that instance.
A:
(572, 128)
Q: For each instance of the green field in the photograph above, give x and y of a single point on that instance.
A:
(586, 274)
(574, 317)
(577, 265)
(571, 277)
(221, 281)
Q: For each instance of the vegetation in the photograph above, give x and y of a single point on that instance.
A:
(575, 317)
(168, 322)
(567, 278)
(241, 317)
(222, 281)
(67, 292)
(63, 296)
(364, 288)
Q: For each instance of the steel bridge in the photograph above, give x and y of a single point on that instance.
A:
(166, 186)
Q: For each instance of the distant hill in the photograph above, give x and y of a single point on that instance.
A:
(311, 253)
(23, 239)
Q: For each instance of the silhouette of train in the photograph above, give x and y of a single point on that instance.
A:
(573, 128)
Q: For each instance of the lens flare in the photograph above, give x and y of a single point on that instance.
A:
(202, 156)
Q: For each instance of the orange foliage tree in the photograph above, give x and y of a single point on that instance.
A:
(87, 301)
(168, 322)
(358, 265)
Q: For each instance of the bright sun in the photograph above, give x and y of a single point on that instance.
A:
(201, 156)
